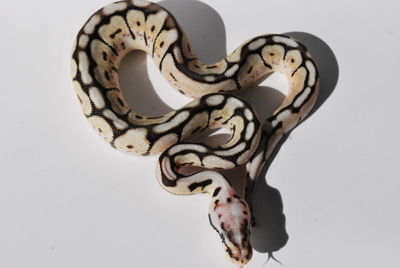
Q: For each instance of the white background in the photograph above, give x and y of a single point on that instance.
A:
(67, 199)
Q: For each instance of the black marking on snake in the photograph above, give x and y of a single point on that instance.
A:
(216, 191)
(169, 183)
(285, 51)
(104, 56)
(236, 196)
(211, 67)
(209, 218)
(181, 91)
(123, 45)
(129, 28)
(202, 184)
(110, 47)
(294, 72)
(197, 66)
(196, 129)
(297, 109)
(114, 69)
(227, 120)
(107, 75)
(244, 231)
(129, 146)
(187, 163)
(155, 117)
(120, 101)
(266, 64)
(156, 38)
(229, 200)
(221, 235)
(115, 33)
(169, 51)
(153, 28)
(138, 116)
(161, 44)
(223, 226)
(250, 69)
(173, 77)
(145, 39)
(236, 79)
(228, 250)
(217, 118)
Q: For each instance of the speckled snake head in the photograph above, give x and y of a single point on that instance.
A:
(230, 217)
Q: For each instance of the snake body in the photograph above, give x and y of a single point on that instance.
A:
(118, 28)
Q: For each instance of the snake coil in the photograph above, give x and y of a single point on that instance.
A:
(118, 28)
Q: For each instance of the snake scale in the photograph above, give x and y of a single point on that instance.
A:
(116, 29)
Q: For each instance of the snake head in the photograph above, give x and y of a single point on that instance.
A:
(230, 217)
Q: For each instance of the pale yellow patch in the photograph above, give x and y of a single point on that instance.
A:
(134, 140)
(118, 102)
(83, 98)
(102, 127)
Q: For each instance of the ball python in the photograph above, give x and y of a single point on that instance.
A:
(118, 28)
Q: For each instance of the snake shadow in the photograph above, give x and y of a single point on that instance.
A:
(269, 234)
(206, 31)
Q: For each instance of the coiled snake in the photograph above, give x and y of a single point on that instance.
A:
(118, 28)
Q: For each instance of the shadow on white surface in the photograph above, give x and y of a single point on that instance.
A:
(269, 234)
(137, 88)
(203, 26)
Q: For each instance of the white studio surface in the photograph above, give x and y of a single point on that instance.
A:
(67, 199)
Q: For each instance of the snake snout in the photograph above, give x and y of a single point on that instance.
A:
(230, 217)
(239, 255)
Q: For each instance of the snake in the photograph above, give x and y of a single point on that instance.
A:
(124, 26)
